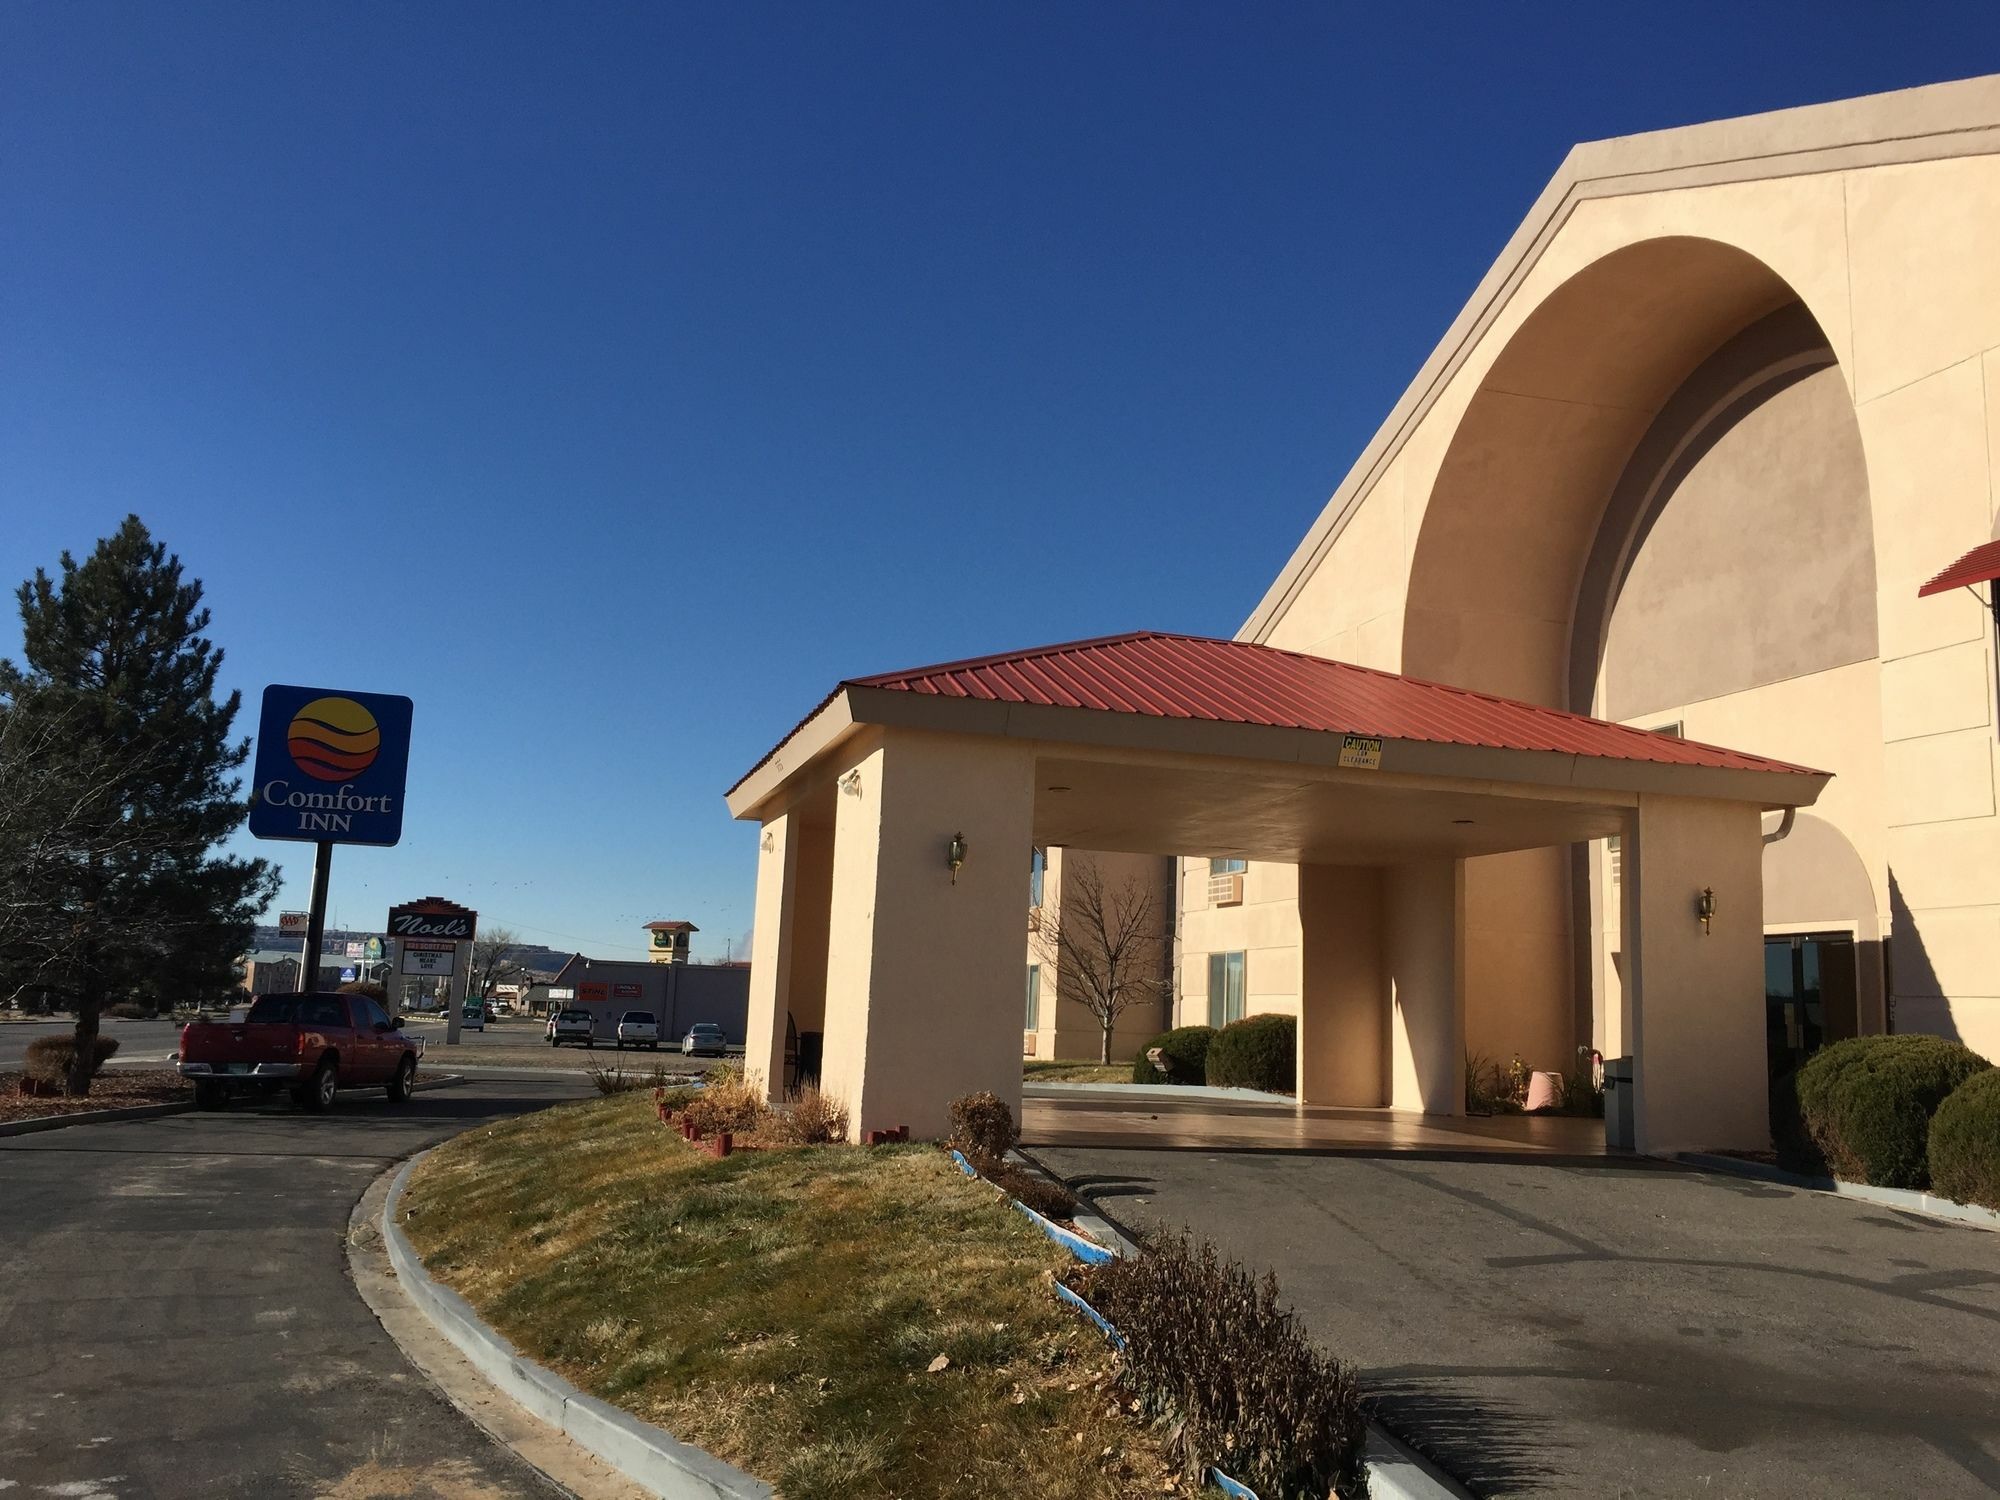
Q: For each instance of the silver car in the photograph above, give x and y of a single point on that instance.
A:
(704, 1036)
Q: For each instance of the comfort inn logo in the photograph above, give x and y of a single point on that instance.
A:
(333, 739)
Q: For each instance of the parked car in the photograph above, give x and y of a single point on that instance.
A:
(472, 1019)
(572, 1026)
(638, 1028)
(704, 1036)
(314, 1044)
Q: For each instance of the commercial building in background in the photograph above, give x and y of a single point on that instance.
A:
(1687, 460)
(676, 992)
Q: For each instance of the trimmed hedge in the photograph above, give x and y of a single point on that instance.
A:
(1965, 1142)
(1867, 1102)
(1212, 1357)
(1185, 1052)
(982, 1126)
(1257, 1052)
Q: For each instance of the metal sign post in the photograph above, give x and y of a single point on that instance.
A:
(316, 918)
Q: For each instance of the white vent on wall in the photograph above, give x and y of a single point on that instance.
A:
(1225, 890)
(1027, 1044)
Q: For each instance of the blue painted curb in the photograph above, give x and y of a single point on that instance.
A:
(1086, 1250)
(1230, 1487)
(1117, 1339)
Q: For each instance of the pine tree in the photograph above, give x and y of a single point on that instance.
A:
(110, 883)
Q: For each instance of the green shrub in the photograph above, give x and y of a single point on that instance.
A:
(1965, 1142)
(1257, 1052)
(1796, 1150)
(1867, 1103)
(982, 1126)
(1185, 1052)
(48, 1057)
(1210, 1354)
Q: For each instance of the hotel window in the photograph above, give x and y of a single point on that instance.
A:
(1034, 997)
(1228, 866)
(1225, 988)
(1038, 866)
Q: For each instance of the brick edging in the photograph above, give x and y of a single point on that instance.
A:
(649, 1456)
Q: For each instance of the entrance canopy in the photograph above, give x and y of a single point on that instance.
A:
(899, 816)
(1155, 743)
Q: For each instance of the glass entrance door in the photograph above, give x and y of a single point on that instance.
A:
(1809, 995)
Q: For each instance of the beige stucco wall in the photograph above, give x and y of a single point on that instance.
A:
(1455, 548)
(923, 976)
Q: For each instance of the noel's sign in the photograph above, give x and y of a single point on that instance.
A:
(435, 919)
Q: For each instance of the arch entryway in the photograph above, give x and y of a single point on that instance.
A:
(1654, 509)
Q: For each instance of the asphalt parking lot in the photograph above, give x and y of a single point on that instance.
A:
(1614, 1330)
(178, 1318)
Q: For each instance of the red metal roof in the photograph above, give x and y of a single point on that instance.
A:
(1241, 682)
(1980, 565)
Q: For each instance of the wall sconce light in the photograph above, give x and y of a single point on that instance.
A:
(851, 782)
(954, 855)
(1704, 906)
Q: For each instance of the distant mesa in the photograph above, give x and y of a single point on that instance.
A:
(333, 739)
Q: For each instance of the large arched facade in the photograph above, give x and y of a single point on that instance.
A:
(1729, 396)
(1664, 438)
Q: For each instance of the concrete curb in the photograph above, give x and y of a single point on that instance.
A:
(93, 1117)
(1906, 1199)
(648, 1456)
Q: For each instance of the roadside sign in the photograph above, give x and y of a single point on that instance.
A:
(372, 950)
(429, 958)
(354, 948)
(292, 923)
(433, 917)
(346, 974)
(627, 991)
(330, 766)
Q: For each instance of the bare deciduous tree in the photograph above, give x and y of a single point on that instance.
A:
(1106, 942)
(493, 962)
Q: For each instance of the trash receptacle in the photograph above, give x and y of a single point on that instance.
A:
(1618, 1102)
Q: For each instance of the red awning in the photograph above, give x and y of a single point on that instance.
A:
(1980, 565)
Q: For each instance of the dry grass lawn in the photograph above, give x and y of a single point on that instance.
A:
(784, 1309)
(1056, 1071)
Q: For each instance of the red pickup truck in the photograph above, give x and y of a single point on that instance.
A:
(313, 1044)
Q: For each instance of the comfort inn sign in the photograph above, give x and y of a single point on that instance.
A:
(330, 766)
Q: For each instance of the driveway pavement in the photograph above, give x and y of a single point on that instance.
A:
(1615, 1330)
(177, 1318)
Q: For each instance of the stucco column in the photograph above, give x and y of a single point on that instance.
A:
(788, 939)
(1693, 1000)
(774, 919)
(924, 974)
(1343, 991)
(1424, 952)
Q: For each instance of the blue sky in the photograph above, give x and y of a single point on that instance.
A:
(614, 379)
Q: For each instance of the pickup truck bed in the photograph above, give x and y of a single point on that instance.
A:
(314, 1044)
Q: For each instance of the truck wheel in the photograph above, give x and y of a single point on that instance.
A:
(317, 1095)
(209, 1095)
(401, 1086)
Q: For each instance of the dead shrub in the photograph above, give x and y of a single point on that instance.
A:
(618, 1079)
(48, 1058)
(982, 1127)
(814, 1119)
(1049, 1199)
(1208, 1348)
(728, 1104)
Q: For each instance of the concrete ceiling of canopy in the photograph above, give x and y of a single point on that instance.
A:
(1302, 816)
